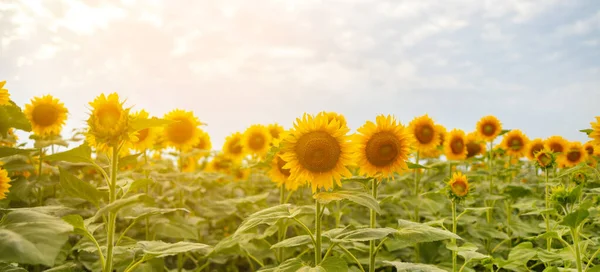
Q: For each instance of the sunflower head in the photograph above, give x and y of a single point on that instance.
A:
(556, 144)
(317, 150)
(475, 145)
(574, 154)
(424, 132)
(545, 159)
(533, 147)
(220, 164)
(4, 183)
(257, 140)
(458, 186)
(10, 140)
(109, 122)
(595, 134)
(335, 116)
(144, 138)
(183, 133)
(382, 147)
(280, 175)
(233, 148)
(275, 130)
(46, 114)
(455, 146)
(591, 148)
(189, 164)
(579, 177)
(489, 127)
(515, 143)
(4, 95)
(204, 143)
(240, 173)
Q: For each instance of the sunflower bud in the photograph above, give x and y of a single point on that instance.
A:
(458, 186)
(545, 159)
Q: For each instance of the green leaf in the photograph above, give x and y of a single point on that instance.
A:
(245, 200)
(586, 131)
(142, 212)
(4, 267)
(361, 235)
(412, 165)
(412, 233)
(128, 160)
(68, 267)
(75, 187)
(80, 154)
(139, 123)
(574, 219)
(30, 237)
(360, 198)
(290, 265)
(10, 151)
(120, 204)
(293, 242)
(267, 216)
(401, 266)
(159, 249)
(12, 116)
(504, 131)
(334, 264)
(140, 184)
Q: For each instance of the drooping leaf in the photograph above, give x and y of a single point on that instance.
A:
(334, 264)
(402, 266)
(360, 198)
(293, 242)
(586, 131)
(10, 151)
(80, 154)
(75, 187)
(411, 233)
(290, 265)
(361, 235)
(158, 249)
(575, 218)
(268, 216)
(30, 237)
(11, 116)
(128, 160)
(412, 165)
(120, 204)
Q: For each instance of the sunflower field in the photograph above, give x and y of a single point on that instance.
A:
(133, 192)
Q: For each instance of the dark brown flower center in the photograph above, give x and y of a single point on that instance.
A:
(318, 151)
(424, 134)
(382, 149)
(45, 115)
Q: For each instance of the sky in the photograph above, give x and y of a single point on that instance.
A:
(535, 64)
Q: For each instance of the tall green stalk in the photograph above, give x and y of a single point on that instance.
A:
(575, 233)
(491, 179)
(547, 217)
(147, 219)
(317, 232)
(417, 206)
(281, 232)
(112, 216)
(454, 223)
(373, 223)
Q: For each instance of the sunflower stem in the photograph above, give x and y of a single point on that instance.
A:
(454, 223)
(147, 219)
(112, 216)
(282, 227)
(317, 232)
(575, 233)
(491, 179)
(373, 223)
(417, 206)
(547, 217)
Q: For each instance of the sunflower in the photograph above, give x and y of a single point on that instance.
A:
(280, 175)
(204, 143)
(439, 150)
(425, 133)
(317, 151)
(220, 163)
(455, 147)
(240, 173)
(335, 116)
(233, 148)
(489, 127)
(591, 148)
(46, 114)
(595, 134)
(4, 183)
(515, 143)
(4, 95)
(556, 144)
(184, 133)
(545, 158)
(108, 123)
(256, 140)
(459, 185)
(275, 130)
(382, 147)
(475, 145)
(189, 164)
(534, 147)
(145, 137)
(574, 154)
